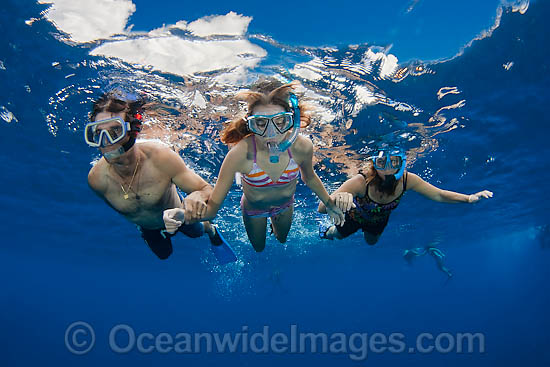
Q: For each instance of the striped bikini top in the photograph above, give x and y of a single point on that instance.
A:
(258, 178)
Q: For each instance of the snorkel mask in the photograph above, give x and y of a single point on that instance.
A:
(106, 132)
(279, 123)
(394, 159)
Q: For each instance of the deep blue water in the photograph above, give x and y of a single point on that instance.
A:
(65, 256)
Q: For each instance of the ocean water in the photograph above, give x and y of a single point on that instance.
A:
(470, 119)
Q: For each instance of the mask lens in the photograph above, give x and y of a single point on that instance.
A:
(261, 122)
(380, 162)
(112, 133)
(92, 134)
(395, 161)
(283, 122)
(105, 132)
(115, 132)
(258, 124)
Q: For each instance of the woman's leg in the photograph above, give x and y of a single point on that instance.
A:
(370, 238)
(349, 227)
(255, 228)
(372, 231)
(281, 224)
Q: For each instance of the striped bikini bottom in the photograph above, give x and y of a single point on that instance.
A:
(265, 213)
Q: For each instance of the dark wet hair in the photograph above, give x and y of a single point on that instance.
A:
(386, 186)
(115, 102)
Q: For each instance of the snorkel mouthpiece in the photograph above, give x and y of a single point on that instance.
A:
(274, 152)
(114, 154)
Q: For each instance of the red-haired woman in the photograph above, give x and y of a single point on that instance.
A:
(269, 154)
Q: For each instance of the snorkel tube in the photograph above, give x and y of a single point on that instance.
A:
(399, 173)
(274, 149)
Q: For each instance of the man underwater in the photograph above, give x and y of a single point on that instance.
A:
(139, 180)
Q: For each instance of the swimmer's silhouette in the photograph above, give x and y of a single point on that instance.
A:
(432, 250)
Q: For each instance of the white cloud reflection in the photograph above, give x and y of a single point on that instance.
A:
(86, 20)
(231, 24)
(184, 57)
(162, 49)
(388, 62)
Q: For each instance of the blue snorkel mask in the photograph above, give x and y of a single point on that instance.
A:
(279, 123)
(390, 159)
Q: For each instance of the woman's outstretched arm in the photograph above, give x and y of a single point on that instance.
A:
(434, 193)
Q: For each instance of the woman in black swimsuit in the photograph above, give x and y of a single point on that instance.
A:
(369, 197)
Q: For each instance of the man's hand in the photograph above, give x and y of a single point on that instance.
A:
(343, 200)
(195, 207)
(173, 219)
(474, 198)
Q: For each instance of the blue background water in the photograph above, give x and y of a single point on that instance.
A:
(65, 256)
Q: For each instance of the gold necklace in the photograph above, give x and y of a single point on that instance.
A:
(131, 182)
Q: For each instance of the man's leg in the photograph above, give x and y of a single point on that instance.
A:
(192, 230)
(159, 242)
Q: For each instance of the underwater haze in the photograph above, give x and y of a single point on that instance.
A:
(462, 86)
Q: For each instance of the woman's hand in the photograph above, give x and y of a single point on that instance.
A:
(335, 213)
(195, 208)
(343, 200)
(173, 219)
(485, 194)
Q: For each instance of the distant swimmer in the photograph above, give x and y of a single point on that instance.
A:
(139, 180)
(268, 155)
(436, 253)
(369, 197)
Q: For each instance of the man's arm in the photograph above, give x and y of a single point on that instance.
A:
(231, 165)
(98, 184)
(198, 190)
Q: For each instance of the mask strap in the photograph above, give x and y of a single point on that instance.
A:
(129, 144)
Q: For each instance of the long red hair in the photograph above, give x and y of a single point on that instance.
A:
(263, 93)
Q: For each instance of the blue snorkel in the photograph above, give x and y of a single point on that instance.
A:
(275, 150)
(399, 173)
